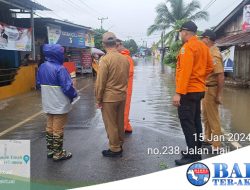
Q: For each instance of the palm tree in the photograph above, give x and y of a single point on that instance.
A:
(171, 15)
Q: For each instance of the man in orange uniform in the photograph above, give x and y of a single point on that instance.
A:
(126, 52)
(194, 64)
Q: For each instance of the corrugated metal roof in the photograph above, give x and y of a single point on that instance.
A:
(237, 39)
(228, 18)
(24, 4)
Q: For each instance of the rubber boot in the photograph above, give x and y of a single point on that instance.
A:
(59, 153)
(49, 142)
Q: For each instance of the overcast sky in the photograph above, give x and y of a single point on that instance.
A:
(126, 18)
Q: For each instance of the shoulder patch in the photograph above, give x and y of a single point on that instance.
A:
(215, 61)
(183, 50)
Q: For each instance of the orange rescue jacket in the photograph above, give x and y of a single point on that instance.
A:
(194, 64)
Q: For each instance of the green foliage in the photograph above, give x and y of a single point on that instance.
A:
(171, 57)
(171, 14)
(98, 38)
(131, 45)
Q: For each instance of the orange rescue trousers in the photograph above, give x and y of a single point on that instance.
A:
(127, 125)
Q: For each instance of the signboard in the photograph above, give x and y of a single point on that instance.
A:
(228, 59)
(246, 18)
(15, 38)
(89, 40)
(68, 38)
(86, 61)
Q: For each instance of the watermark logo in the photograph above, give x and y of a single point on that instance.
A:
(231, 174)
(198, 174)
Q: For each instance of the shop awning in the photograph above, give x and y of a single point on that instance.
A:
(232, 40)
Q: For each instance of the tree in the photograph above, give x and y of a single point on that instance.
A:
(131, 45)
(98, 33)
(171, 15)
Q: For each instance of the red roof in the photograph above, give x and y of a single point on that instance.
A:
(237, 39)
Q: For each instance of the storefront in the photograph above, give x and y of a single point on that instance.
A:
(15, 40)
(76, 39)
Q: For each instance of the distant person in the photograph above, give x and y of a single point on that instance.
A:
(213, 95)
(95, 63)
(27, 60)
(193, 66)
(127, 126)
(40, 58)
(57, 95)
(111, 88)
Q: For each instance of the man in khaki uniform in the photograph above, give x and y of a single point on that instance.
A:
(111, 88)
(213, 95)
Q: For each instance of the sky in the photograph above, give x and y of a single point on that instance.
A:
(126, 18)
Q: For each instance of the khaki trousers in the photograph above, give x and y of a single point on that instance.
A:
(211, 117)
(56, 123)
(113, 117)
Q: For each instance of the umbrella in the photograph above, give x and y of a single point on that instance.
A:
(97, 51)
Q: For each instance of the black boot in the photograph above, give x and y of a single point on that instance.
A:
(59, 153)
(109, 153)
(49, 142)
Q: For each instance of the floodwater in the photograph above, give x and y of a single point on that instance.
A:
(154, 85)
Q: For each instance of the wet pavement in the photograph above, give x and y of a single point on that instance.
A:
(154, 119)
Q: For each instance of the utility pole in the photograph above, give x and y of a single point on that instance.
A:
(33, 46)
(102, 19)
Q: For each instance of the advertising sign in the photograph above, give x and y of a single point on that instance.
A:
(67, 38)
(246, 18)
(14, 38)
(228, 59)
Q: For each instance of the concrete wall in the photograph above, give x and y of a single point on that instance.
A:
(24, 82)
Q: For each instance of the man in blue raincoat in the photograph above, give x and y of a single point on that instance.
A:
(57, 94)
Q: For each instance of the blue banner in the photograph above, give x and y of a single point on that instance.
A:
(67, 38)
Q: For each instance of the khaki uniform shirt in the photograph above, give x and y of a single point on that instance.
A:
(218, 66)
(112, 78)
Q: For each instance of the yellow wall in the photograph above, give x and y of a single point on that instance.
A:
(24, 82)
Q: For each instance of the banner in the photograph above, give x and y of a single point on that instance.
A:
(66, 38)
(89, 40)
(228, 59)
(15, 38)
(246, 18)
(86, 61)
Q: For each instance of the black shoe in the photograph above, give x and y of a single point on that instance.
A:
(184, 161)
(128, 132)
(109, 153)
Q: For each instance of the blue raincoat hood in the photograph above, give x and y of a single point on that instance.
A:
(54, 53)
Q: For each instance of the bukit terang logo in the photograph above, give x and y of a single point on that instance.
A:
(198, 174)
(223, 174)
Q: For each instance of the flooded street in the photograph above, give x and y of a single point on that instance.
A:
(153, 117)
(155, 85)
(235, 111)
